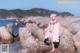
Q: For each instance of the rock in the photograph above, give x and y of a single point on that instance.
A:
(66, 43)
(40, 48)
(26, 37)
(35, 31)
(55, 51)
(73, 25)
(9, 27)
(17, 39)
(78, 50)
(6, 37)
(76, 39)
(31, 43)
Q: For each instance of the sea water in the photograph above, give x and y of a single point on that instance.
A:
(4, 22)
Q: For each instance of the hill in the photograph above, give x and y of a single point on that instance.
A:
(31, 12)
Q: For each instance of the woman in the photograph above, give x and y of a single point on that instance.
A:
(52, 32)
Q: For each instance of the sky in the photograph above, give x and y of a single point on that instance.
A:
(58, 5)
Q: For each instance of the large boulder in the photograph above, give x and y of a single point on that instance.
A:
(36, 31)
(9, 27)
(40, 21)
(73, 25)
(66, 43)
(76, 39)
(29, 43)
(5, 36)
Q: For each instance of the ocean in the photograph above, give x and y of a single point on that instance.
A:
(4, 22)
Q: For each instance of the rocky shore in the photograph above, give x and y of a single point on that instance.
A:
(31, 39)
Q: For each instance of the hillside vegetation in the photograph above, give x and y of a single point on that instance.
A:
(31, 12)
